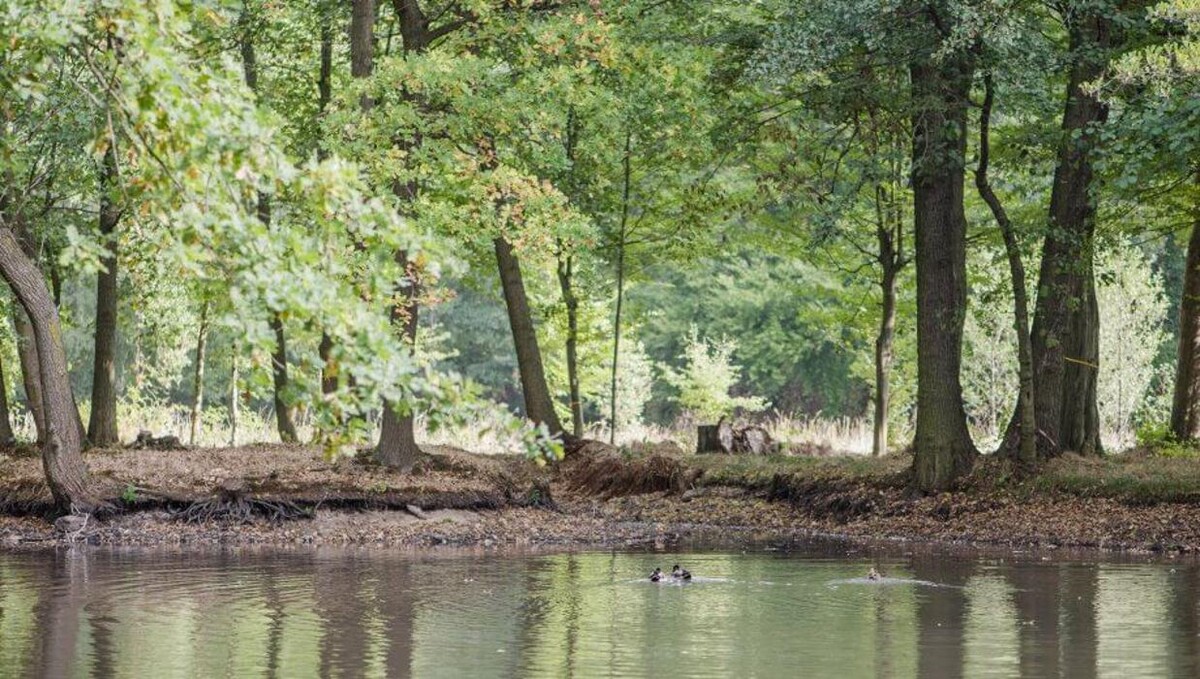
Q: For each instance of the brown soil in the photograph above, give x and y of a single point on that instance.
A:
(599, 499)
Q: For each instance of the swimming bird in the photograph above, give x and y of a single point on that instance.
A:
(874, 575)
(680, 573)
(656, 575)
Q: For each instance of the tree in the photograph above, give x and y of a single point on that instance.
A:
(1027, 417)
(1066, 325)
(941, 87)
(102, 425)
(279, 360)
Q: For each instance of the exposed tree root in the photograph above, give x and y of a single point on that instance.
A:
(240, 510)
(231, 504)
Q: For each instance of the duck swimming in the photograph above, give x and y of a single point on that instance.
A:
(656, 575)
(874, 575)
(680, 573)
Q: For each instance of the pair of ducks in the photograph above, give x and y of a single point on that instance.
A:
(677, 573)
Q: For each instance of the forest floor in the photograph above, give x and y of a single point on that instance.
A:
(275, 494)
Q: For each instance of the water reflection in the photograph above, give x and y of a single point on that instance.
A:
(334, 613)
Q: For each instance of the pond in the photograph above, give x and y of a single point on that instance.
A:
(759, 613)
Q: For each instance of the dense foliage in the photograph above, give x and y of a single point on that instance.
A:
(695, 210)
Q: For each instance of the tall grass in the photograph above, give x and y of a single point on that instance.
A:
(485, 433)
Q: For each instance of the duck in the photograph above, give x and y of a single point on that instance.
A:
(874, 575)
(656, 575)
(680, 573)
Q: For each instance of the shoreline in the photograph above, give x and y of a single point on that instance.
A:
(458, 499)
(648, 521)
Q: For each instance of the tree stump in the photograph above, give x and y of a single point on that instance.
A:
(724, 437)
(707, 440)
(756, 440)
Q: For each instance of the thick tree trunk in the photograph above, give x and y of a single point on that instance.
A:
(566, 284)
(30, 371)
(102, 425)
(397, 439)
(539, 407)
(1185, 409)
(362, 43)
(62, 456)
(1027, 415)
(198, 376)
(944, 450)
(7, 438)
(1066, 329)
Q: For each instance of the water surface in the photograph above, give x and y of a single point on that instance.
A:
(331, 612)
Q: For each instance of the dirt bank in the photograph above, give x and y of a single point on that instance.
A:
(456, 498)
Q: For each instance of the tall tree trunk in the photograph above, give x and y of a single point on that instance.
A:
(235, 399)
(626, 173)
(7, 438)
(884, 342)
(1066, 328)
(1027, 416)
(889, 234)
(941, 87)
(198, 376)
(62, 457)
(566, 284)
(329, 380)
(31, 372)
(102, 425)
(397, 438)
(1185, 408)
(539, 407)
(279, 368)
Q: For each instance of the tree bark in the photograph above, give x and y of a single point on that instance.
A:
(1066, 328)
(1027, 416)
(941, 87)
(102, 425)
(62, 457)
(1185, 408)
(539, 407)
(362, 43)
(7, 437)
(397, 439)
(198, 376)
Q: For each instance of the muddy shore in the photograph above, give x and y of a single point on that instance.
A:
(457, 499)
